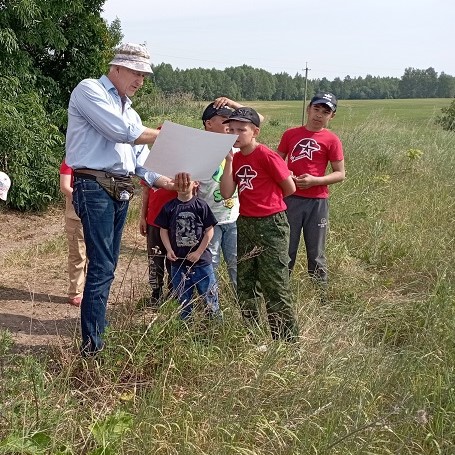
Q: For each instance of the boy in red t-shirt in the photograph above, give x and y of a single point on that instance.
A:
(153, 200)
(308, 150)
(262, 179)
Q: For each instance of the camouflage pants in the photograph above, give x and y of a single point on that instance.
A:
(262, 268)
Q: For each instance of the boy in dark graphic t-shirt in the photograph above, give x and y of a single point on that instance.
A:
(186, 224)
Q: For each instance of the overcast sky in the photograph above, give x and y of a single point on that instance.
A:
(335, 37)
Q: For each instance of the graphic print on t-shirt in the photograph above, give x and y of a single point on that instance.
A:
(186, 229)
(229, 203)
(246, 174)
(304, 149)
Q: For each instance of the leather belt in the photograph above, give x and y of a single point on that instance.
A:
(93, 174)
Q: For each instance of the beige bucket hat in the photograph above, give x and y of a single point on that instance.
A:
(132, 56)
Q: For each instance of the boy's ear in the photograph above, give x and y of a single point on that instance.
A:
(256, 131)
(195, 187)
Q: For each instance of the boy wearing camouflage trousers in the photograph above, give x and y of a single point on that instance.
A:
(263, 179)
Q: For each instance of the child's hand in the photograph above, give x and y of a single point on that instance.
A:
(171, 256)
(194, 256)
(305, 181)
(221, 102)
(230, 156)
(143, 226)
(182, 181)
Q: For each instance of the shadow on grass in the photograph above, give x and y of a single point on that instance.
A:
(28, 325)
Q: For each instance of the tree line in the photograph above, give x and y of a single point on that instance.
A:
(248, 83)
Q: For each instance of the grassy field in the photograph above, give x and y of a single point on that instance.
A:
(372, 373)
(412, 112)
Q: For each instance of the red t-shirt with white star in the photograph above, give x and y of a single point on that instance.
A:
(257, 176)
(309, 152)
(158, 197)
(66, 170)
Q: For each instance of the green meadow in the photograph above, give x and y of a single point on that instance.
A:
(415, 112)
(373, 370)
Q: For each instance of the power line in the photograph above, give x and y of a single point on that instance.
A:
(304, 94)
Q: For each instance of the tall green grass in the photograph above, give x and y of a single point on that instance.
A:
(372, 372)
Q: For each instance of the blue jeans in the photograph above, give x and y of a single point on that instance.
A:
(185, 279)
(225, 239)
(102, 219)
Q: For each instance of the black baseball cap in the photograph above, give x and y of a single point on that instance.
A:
(210, 111)
(245, 114)
(325, 98)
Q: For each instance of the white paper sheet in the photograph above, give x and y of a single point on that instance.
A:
(180, 148)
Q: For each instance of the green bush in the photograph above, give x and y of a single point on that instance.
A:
(447, 118)
(154, 106)
(31, 148)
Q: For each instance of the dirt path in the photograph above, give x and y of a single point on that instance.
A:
(33, 283)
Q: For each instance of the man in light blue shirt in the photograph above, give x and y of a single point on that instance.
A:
(106, 142)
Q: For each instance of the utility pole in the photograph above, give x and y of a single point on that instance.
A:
(304, 94)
